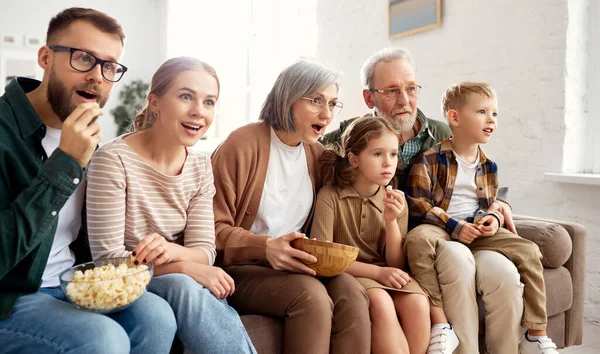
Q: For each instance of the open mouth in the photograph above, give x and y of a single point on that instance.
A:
(87, 94)
(191, 127)
(318, 128)
(488, 130)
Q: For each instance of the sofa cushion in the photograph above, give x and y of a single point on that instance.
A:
(552, 239)
(559, 290)
(265, 332)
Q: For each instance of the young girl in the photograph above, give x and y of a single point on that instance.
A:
(150, 196)
(355, 203)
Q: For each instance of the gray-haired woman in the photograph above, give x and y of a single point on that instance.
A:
(266, 181)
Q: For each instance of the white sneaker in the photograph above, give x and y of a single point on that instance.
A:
(443, 340)
(543, 345)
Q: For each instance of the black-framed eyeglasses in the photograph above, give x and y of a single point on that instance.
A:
(84, 61)
(319, 103)
(394, 92)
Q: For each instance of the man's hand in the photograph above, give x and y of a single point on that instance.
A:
(80, 133)
(392, 277)
(506, 212)
(468, 233)
(282, 256)
(488, 225)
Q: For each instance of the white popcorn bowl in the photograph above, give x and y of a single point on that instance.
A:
(100, 300)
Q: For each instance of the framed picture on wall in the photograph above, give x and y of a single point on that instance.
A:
(34, 42)
(407, 17)
(15, 63)
(9, 40)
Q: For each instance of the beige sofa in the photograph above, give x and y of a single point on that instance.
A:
(563, 246)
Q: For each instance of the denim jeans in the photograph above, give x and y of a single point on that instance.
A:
(205, 324)
(44, 322)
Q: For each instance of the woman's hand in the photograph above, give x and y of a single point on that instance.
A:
(392, 277)
(215, 279)
(155, 247)
(282, 256)
(393, 205)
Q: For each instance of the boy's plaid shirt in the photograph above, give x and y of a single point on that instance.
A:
(431, 183)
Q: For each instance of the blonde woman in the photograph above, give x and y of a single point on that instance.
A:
(150, 196)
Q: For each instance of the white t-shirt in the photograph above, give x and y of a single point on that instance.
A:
(464, 201)
(288, 192)
(69, 222)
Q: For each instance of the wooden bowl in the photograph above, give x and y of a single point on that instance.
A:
(332, 258)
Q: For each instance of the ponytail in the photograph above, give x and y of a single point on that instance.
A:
(335, 169)
(143, 120)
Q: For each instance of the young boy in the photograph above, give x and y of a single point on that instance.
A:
(452, 187)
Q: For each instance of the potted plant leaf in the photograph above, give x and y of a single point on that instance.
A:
(132, 99)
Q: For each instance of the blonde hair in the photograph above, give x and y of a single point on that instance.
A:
(457, 95)
(162, 80)
(333, 163)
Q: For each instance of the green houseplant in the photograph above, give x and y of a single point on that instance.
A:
(132, 98)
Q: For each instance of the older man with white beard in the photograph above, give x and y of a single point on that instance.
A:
(391, 91)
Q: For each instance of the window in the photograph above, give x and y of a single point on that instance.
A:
(267, 36)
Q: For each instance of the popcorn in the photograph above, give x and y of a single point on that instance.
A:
(108, 287)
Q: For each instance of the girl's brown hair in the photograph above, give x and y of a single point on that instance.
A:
(334, 165)
(162, 80)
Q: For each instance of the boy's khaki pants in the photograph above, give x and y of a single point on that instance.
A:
(421, 247)
(464, 274)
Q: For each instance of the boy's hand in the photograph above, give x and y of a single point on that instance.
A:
(392, 277)
(488, 225)
(393, 205)
(468, 233)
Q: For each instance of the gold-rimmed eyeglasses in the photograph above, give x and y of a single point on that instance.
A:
(319, 104)
(394, 92)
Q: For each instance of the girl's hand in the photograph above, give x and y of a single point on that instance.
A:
(155, 247)
(393, 205)
(215, 279)
(282, 256)
(392, 277)
(488, 225)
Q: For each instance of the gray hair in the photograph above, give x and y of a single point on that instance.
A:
(294, 82)
(386, 55)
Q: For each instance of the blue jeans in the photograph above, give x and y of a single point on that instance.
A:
(44, 322)
(205, 324)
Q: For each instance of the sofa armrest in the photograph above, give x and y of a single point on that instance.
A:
(552, 239)
(576, 267)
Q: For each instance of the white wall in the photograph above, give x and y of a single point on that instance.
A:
(142, 20)
(520, 48)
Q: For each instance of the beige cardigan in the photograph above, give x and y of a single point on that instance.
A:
(240, 167)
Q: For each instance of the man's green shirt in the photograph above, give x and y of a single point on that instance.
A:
(33, 189)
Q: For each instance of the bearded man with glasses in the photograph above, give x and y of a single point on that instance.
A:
(48, 132)
(391, 91)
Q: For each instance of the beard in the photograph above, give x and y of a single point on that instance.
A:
(403, 123)
(59, 96)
